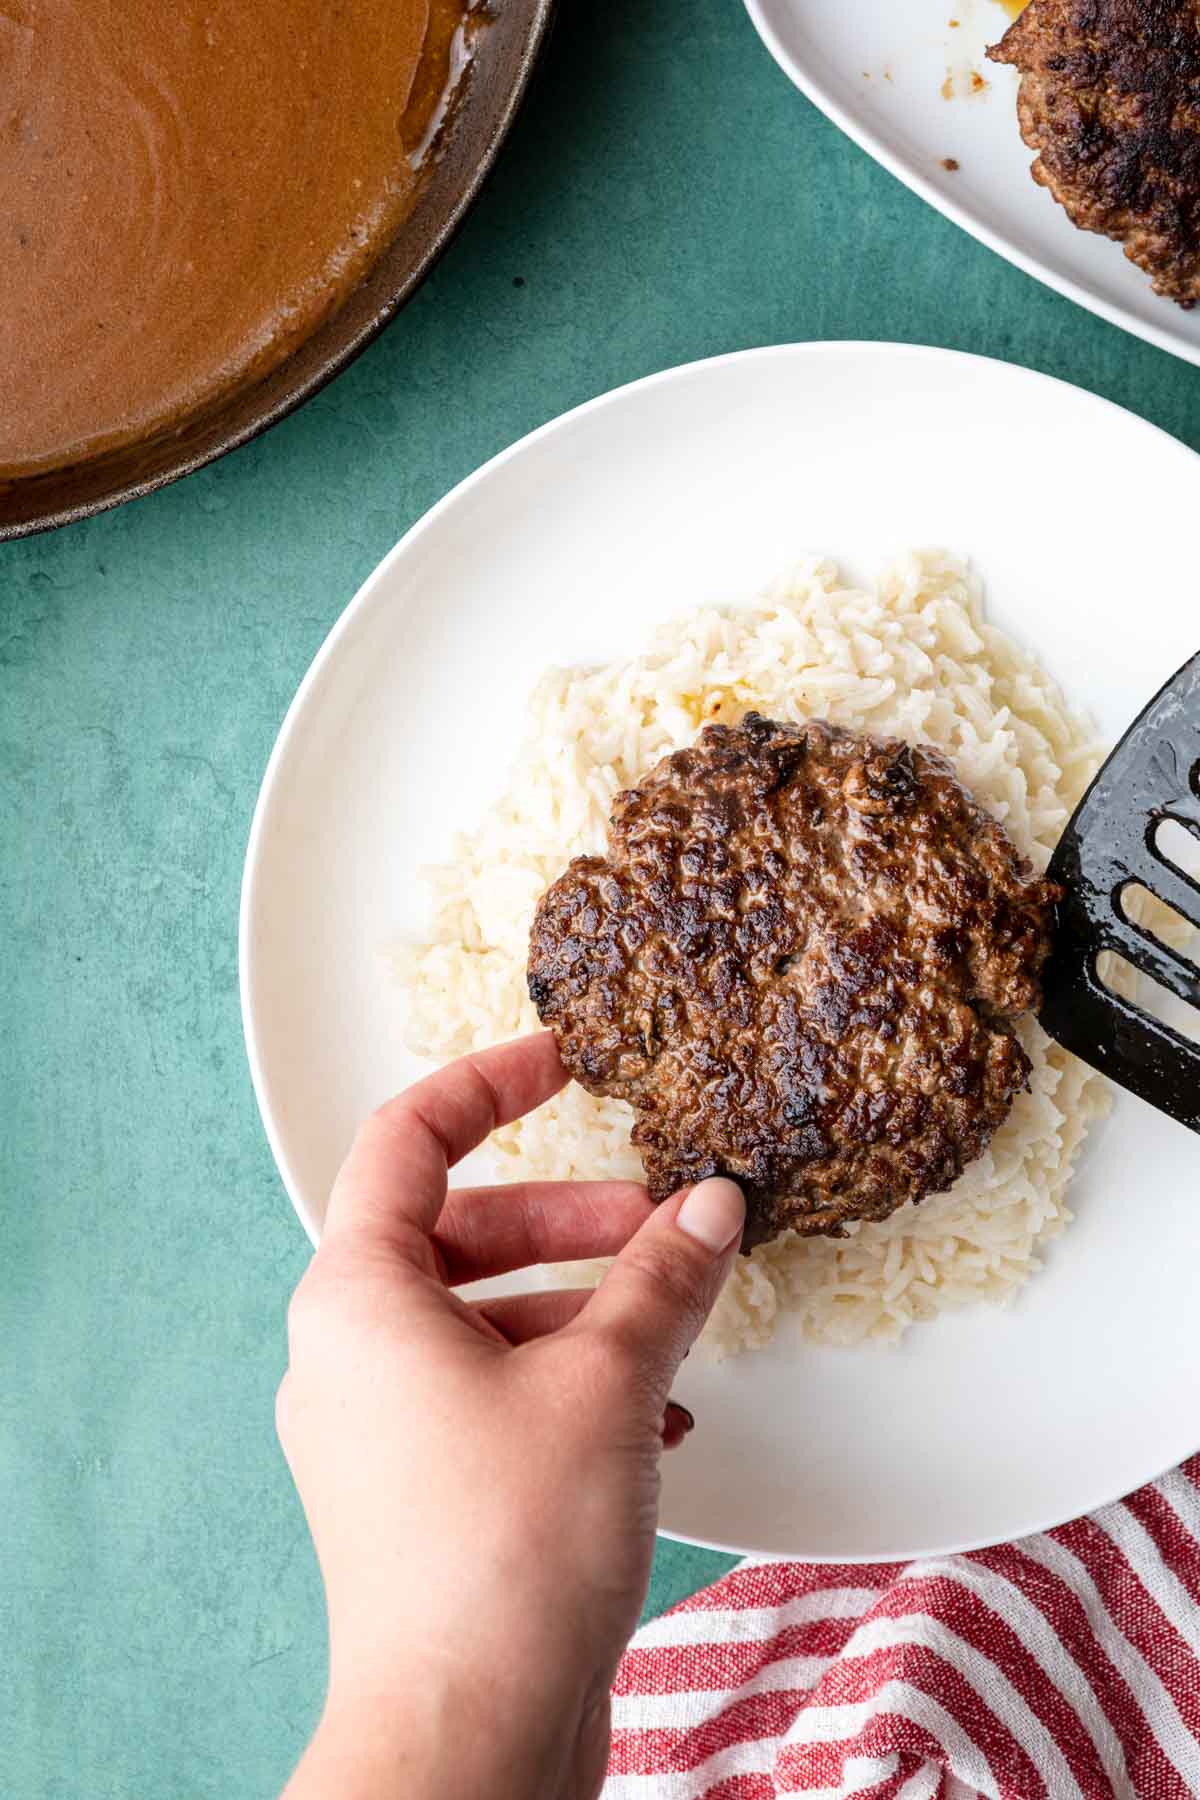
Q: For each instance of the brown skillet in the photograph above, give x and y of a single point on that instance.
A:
(505, 51)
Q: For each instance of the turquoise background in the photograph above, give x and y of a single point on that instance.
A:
(666, 195)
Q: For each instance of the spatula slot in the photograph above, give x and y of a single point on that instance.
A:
(1158, 960)
(1154, 918)
(1136, 986)
(1166, 879)
(1177, 843)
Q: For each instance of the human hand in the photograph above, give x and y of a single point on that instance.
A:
(481, 1479)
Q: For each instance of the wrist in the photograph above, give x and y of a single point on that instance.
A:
(431, 1743)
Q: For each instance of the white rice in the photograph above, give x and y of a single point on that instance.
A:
(914, 656)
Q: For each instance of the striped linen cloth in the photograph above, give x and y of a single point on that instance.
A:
(1066, 1665)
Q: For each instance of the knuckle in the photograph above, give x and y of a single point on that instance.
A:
(382, 1128)
(619, 1354)
(629, 1375)
(319, 1294)
(389, 1117)
(671, 1277)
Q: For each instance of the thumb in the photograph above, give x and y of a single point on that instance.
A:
(658, 1293)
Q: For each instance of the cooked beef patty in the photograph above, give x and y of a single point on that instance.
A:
(1110, 100)
(799, 962)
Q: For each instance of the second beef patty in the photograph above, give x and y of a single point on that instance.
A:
(800, 963)
(1108, 99)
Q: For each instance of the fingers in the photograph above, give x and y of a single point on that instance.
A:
(392, 1184)
(490, 1230)
(522, 1317)
(660, 1290)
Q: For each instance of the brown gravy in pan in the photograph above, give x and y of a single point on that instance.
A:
(187, 187)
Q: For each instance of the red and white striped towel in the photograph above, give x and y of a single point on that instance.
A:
(1065, 1665)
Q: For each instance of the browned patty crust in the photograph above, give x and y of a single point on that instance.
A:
(1110, 100)
(799, 963)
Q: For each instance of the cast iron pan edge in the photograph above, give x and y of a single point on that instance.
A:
(505, 52)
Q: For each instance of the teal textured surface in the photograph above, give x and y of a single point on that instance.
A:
(667, 195)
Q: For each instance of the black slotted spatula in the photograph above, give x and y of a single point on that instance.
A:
(1153, 775)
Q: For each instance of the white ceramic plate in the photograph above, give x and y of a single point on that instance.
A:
(878, 68)
(703, 483)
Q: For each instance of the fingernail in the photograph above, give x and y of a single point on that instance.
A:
(685, 1412)
(713, 1213)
